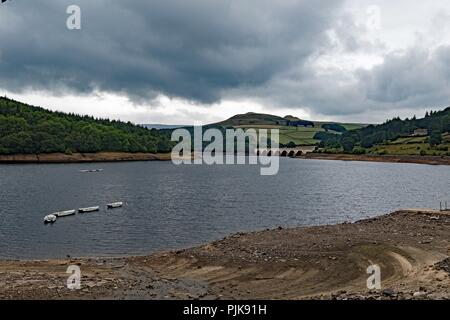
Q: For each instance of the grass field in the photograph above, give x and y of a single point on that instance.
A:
(298, 135)
(413, 146)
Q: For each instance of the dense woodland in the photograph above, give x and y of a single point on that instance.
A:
(33, 130)
(436, 122)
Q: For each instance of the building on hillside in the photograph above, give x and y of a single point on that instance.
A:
(420, 132)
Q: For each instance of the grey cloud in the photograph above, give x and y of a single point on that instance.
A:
(192, 49)
(416, 78)
(205, 51)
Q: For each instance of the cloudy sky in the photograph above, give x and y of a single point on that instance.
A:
(180, 61)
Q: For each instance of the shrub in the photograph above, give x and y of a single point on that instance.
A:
(359, 150)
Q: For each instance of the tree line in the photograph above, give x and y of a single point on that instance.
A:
(436, 122)
(33, 130)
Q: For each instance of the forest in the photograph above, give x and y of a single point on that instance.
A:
(435, 122)
(26, 129)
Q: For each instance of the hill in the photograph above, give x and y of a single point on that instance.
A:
(252, 118)
(426, 136)
(26, 129)
(293, 130)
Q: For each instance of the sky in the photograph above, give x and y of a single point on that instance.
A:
(186, 61)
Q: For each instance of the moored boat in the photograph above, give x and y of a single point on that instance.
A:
(51, 218)
(91, 170)
(89, 209)
(64, 213)
(114, 205)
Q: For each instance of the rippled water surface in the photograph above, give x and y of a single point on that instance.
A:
(171, 206)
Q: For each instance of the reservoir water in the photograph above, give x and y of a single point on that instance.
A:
(169, 207)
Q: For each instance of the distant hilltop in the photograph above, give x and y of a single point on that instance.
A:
(252, 119)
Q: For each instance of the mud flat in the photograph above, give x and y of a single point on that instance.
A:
(432, 160)
(323, 262)
(82, 157)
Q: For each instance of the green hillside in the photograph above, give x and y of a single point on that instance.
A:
(299, 135)
(425, 136)
(33, 130)
(413, 146)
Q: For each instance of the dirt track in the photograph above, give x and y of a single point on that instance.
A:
(326, 262)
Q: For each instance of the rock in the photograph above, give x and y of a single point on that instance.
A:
(419, 294)
(389, 293)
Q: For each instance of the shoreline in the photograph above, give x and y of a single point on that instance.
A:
(430, 160)
(124, 156)
(411, 247)
(82, 157)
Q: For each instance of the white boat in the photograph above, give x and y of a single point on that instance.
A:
(89, 209)
(91, 170)
(51, 218)
(64, 213)
(114, 205)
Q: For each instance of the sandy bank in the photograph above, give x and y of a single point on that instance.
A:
(323, 262)
(83, 157)
(432, 160)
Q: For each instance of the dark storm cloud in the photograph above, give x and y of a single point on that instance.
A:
(190, 49)
(205, 51)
